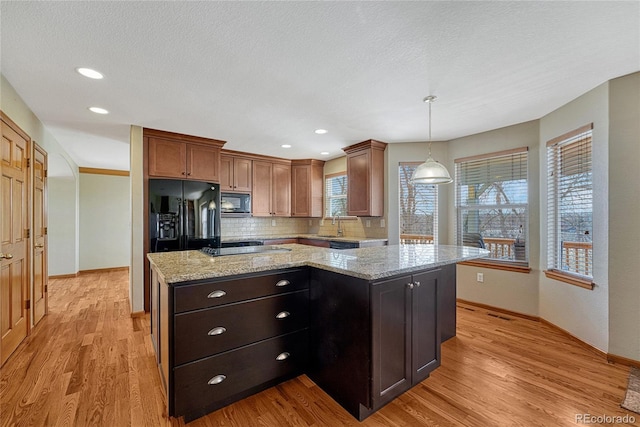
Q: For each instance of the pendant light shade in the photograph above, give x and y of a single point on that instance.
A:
(430, 172)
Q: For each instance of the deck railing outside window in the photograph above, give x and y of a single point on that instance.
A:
(416, 239)
(577, 257)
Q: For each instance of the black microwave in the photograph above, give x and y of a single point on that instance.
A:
(235, 204)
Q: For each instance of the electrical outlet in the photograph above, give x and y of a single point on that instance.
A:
(367, 223)
(382, 223)
(273, 222)
(480, 277)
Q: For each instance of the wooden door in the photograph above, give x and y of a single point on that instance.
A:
(14, 261)
(40, 273)
(261, 194)
(242, 175)
(203, 163)
(425, 343)
(300, 190)
(391, 341)
(167, 158)
(281, 192)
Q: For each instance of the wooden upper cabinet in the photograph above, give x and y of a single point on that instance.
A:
(271, 195)
(235, 174)
(174, 155)
(365, 178)
(306, 188)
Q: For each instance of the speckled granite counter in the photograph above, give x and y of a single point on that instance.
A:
(365, 263)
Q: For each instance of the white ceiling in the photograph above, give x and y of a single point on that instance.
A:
(262, 74)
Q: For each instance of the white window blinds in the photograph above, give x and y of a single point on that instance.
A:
(492, 204)
(335, 195)
(570, 203)
(418, 210)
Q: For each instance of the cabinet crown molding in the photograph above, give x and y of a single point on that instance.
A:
(155, 133)
(370, 143)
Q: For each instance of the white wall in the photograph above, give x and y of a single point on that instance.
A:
(624, 216)
(509, 290)
(583, 313)
(415, 152)
(105, 235)
(62, 184)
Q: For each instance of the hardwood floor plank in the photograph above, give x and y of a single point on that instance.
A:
(89, 363)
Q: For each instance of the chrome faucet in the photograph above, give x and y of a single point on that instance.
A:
(339, 232)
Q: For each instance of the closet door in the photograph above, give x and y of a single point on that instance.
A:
(14, 243)
(40, 273)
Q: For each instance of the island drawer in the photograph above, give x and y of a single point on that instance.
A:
(211, 294)
(206, 332)
(214, 382)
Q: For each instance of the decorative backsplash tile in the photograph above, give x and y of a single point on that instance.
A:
(251, 227)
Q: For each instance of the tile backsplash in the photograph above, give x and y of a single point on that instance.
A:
(252, 227)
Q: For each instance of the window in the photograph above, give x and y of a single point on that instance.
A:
(570, 207)
(418, 208)
(492, 204)
(335, 195)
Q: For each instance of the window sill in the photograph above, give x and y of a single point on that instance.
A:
(516, 268)
(570, 279)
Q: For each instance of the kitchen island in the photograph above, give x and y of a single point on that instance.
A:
(365, 324)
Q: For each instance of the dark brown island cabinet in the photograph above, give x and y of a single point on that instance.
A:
(363, 342)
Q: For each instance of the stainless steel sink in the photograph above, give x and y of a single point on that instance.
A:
(327, 235)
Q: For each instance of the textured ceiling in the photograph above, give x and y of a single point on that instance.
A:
(262, 74)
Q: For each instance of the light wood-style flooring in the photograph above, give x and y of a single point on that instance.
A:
(88, 363)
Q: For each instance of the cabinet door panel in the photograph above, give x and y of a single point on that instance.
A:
(204, 332)
(425, 326)
(300, 190)
(359, 184)
(391, 311)
(226, 173)
(203, 163)
(261, 194)
(281, 192)
(242, 175)
(167, 158)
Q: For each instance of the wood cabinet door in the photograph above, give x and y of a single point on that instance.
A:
(167, 158)
(14, 245)
(301, 190)
(40, 274)
(261, 194)
(281, 190)
(425, 342)
(391, 339)
(242, 175)
(203, 163)
(226, 173)
(358, 183)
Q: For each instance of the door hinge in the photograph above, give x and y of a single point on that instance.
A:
(28, 163)
(45, 231)
(46, 173)
(27, 233)
(46, 288)
(27, 304)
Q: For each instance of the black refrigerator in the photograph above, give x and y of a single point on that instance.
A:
(183, 215)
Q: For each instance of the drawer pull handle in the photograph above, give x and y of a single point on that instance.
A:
(283, 356)
(218, 331)
(217, 379)
(282, 283)
(283, 314)
(216, 294)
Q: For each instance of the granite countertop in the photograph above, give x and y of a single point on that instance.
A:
(366, 263)
(306, 236)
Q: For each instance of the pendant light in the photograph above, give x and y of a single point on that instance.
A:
(430, 172)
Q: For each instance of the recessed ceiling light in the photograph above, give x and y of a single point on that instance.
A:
(325, 153)
(286, 146)
(321, 131)
(98, 110)
(88, 72)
